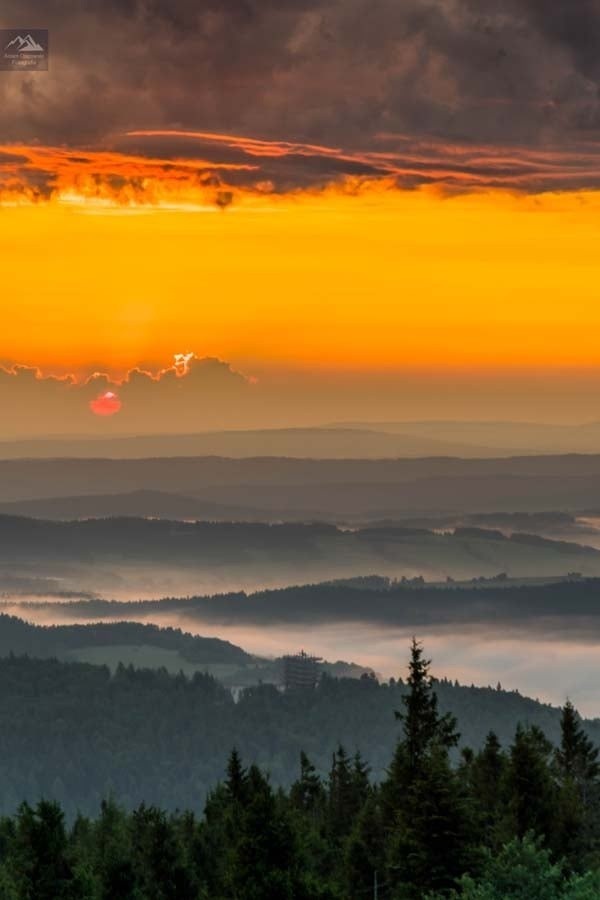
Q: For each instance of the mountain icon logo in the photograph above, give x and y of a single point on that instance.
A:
(24, 45)
(23, 49)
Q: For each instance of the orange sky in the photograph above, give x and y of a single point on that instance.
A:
(382, 280)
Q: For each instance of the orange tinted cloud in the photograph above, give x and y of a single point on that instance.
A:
(209, 169)
(251, 146)
(189, 394)
(411, 160)
(34, 173)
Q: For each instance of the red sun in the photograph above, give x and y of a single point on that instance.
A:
(106, 404)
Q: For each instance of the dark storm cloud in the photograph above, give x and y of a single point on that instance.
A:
(466, 72)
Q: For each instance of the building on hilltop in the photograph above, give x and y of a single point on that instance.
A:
(301, 671)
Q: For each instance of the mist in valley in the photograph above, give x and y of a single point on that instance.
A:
(548, 651)
(390, 519)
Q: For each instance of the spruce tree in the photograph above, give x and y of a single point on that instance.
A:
(577, 757)
(364, 857)
(341, 805)
(423, 725)
(308, 802)
(266, 864)
(220, 832)
(533, 789)
(576, 761)
(157, 857)
(113, 852)
(237, 777)
(360, 782)
(307, 793)
(423, 805)
(487, 790)
(41, 866)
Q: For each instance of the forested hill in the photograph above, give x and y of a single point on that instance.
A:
(73, 732)
(88, 554)
(22, 638)
(556, 607)
(215, 543)
(148, 646)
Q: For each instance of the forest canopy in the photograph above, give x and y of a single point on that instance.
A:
(517, 821)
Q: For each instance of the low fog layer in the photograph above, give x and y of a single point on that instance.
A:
(538, 638)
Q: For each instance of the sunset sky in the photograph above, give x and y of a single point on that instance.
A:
(366, 211)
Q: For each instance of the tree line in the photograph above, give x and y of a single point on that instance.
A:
(515, 822)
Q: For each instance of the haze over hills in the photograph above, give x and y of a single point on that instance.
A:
(279, 488)
(318, 442)
(136, 504)
(509, 437)
(351, 440)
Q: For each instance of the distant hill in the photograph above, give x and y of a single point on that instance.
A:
(138, 504)
(277, 488)
(150, 647)
(563, 607)
(320, 443)
(175, 556)
(20, 637)
(162, 505)
(350, 440)
(514, 437)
